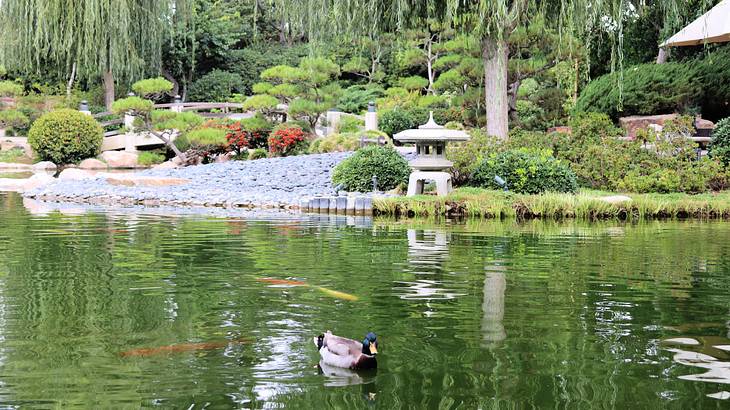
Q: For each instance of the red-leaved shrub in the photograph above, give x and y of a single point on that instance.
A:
(286, 141)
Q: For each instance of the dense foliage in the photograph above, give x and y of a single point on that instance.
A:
(720, 145)
(216, 86)
(65, 136)
(356, 172)
(693, 86)
(10, 89)
(13, 119)
(525, 171)
(203, 144)
(249, 133)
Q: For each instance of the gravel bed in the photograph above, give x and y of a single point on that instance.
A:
(271, 182)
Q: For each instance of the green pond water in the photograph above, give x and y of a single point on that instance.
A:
(480, 314)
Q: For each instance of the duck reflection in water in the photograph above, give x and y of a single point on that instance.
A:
(341, 377)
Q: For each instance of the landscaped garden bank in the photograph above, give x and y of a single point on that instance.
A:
(586, 204)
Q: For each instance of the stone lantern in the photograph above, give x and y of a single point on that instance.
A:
(430, 163)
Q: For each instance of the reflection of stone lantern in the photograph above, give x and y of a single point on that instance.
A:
(430, 163)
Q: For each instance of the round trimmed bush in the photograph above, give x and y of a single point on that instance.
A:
(720, 144)
(65, 136)
(356, 173)
(525, 172)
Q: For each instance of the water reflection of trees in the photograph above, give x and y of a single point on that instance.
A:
(539, 313)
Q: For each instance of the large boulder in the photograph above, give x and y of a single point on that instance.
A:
(92, 163)
(615, 199)
(76, 174)
(166, 165)
(637, 122)
(120, 159)
(37, 181)
(45, 166)
(136, 180)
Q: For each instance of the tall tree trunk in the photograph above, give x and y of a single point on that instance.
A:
(495, 56)
(429, 64)
(108, 90)
(70, 84)
(661, 58)
(175, 83)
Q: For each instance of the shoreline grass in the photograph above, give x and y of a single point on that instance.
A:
(586, 204)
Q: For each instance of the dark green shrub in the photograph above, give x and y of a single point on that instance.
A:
(249, 62)
(525, 172)
(216, 86)
(720, 145)
(203, 143)
(466, 156)
(65, 136)
(646, 89)
(397, 120)
(355, 99)
(530, 116)
(356, 172)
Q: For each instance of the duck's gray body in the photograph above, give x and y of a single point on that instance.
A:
(346, 353)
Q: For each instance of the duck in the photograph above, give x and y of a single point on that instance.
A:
(347, 353)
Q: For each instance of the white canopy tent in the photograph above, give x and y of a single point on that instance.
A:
(711, 27)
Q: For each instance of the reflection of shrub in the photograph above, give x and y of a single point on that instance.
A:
(286, 141)
(356, 172)
(525, 172)
(720, 146)
(65, 136)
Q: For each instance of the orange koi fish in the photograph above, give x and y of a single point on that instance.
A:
(179, 348)
(282, 282)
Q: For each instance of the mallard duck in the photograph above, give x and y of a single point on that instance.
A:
(347, 353)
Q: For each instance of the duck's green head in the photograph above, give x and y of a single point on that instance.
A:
(370, 344)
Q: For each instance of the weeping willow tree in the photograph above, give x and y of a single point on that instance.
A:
(87, 39)
(491, 21)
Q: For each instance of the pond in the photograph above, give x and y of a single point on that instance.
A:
(135, 309)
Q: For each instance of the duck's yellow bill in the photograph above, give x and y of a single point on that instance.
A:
(373, 349)
(336, 294)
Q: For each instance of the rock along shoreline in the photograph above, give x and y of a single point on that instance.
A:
(283, 183)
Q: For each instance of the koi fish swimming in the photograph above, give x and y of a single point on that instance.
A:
(180, 348)
(328, 292)
(282, 282)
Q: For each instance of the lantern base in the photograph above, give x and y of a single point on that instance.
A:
(418, 178)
